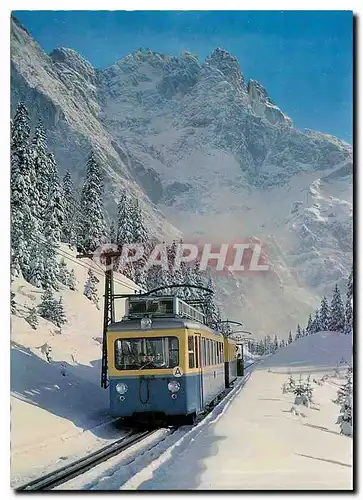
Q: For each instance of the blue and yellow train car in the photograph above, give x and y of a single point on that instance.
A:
(230, 360)
(162, 362)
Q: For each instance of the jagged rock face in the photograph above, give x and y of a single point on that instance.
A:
(214, 154)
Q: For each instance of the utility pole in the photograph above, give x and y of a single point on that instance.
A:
(108, 309)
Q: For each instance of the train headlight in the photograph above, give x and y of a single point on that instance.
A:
(173, 386)
(121, 388)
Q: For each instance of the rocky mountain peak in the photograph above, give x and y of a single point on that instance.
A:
(228, 65)
(71, 60)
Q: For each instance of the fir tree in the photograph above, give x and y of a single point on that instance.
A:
(124, 222)
(60, 315)
(350, 285)
(66, 277)
(348, 325)
(72, 281)
(290, 339)
(346, 389)
(298, 332)
(40, 161)
(48, 308)
(90, 287)
(303, 332)
(337, 314)
(309, 325)
(324, 315)
(23, 221)
(112, 233)
(315, 326)
(156, 277)
(32, 318)
(212, 313)
(140, 237)
(63, 274)
(92, 224)
(69, 226)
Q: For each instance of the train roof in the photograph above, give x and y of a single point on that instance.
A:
(160, 324)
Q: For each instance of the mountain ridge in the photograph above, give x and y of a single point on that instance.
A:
(206, 154)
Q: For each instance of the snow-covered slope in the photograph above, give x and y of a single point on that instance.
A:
(326, 350)
(57, 407)
(211, 152)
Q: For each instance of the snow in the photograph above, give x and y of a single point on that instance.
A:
(252, 440)
(55, 415)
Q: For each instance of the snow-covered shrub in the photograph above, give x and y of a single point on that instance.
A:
(303, 392)
(345, 419)
(346, 389)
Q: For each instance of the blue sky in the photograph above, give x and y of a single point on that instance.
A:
(303, 58)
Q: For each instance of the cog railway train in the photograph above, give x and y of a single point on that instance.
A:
(164, 363)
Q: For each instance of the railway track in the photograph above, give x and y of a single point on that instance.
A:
(81, 466)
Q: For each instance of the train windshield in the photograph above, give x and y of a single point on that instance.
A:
(146, 353)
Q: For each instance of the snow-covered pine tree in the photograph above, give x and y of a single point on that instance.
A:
(23, 222)
(112, 233)
(337, 313)
(90, 287)
(324, 315)
(346, 389)
(290, 339)
(348, 324)
(60, 318)
(349, 292)
(92, 226)
(32, 318)
(124, 232)
(69, 226)
(315, 326)
(345, 419)
(171, 272)
(72, 280)
(124, 229)
(212, 313)
(66, 277)
(52, 226)
(303, 332)
(63, 273)
(139, 236)
(40, 161)
(298, 332)
(48, 308)
(309, 325)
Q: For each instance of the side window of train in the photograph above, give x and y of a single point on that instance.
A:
(204, 353)
(191, 351)
(197, 351)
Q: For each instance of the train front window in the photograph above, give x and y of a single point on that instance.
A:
(146, 353)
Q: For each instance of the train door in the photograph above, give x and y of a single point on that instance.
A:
(198, 364)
